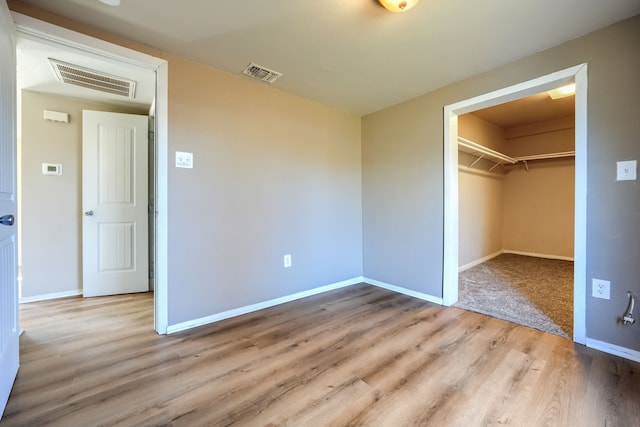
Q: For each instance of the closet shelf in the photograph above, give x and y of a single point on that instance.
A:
(546, 156)
(483, 153)
(498, 158)
(525, 159)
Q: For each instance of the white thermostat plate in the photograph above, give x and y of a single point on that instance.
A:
(52, 169)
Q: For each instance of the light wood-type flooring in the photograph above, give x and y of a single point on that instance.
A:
(358, 356)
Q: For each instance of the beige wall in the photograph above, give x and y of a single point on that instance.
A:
(539, 208)
(273, 174)
(544, 137)
(480, 216)
(481, 131)
(480, 195)
(539, 203)
(522, 211)
(51, 222)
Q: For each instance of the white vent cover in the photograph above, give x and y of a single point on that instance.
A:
(92, 79)
(261, 73)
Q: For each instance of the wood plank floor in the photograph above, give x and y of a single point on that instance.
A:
(359, 356)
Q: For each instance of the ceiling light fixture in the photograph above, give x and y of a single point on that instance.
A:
(563, 91)
(398, 5)
(111, 2)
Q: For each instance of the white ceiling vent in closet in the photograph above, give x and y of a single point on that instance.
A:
(261, 73)
(92, 79)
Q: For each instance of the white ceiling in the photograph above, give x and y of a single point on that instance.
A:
(351, 54)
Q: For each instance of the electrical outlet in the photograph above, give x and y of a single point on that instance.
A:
(600, 288)
(287, 261)
(184, 160)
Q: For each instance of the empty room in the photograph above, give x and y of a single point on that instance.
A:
(254, 213)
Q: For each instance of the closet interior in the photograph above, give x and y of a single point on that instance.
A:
(516, 174)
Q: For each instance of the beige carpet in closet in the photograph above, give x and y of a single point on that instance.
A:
(530, 291)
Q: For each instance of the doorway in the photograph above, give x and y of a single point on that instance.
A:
(51, 35)
(578, 75)
(516, 195)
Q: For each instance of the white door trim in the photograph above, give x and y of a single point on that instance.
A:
(29, 27)
(577, 74)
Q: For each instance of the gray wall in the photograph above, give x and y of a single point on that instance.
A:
(51, 221)
(403, 174)
(273, 174)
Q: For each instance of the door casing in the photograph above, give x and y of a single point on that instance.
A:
(45, 32)
(577, 74)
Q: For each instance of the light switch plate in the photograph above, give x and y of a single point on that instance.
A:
(184, 160)
(626, 170)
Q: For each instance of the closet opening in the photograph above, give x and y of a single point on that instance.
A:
(516, 169)
(515, 203)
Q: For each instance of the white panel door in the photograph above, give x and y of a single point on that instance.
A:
(115, 203)
(9, 330)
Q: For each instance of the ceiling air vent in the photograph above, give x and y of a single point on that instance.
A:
(92, 79)
(261, 73)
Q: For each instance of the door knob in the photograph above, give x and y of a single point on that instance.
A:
(89, 213)
(8, 220)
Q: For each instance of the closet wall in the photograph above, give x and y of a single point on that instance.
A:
(539, 202)
(480, 194)
(514, 209)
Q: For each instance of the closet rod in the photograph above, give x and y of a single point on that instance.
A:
(546, 156)
(477, 148)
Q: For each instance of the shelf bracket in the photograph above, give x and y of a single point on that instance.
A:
(476, 160)
(494, 166)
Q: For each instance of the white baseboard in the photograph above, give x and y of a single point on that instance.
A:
(479, 261)
(564, 258)
(616, 350)
(172, 329)
(419, 295)
(46, 297)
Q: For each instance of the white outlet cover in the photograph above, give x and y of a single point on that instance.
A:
(601, 289)
(626, 170)
(184, 160)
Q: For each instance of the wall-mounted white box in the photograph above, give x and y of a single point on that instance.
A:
(626, 170)
(56, 116)
(184, 160)
(51, 169)
(601, 289)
